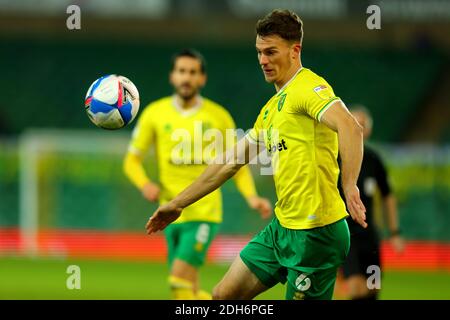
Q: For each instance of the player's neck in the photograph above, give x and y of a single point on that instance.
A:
(292, 72)
(187, 104)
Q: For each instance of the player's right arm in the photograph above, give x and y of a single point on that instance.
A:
(222, 169)
(319, 101)
(142, 138)
(350, 137)
(134, 170)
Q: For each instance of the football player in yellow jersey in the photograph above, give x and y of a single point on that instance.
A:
(182, 127)
(303, 126)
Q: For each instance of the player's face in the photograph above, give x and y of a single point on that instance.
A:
(187, 77)
(276, 56)
(363, 120)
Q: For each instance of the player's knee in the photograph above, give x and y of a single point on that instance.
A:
(227, 292)
(217, 293)
(221, 293)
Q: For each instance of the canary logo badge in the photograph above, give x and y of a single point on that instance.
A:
(302, 282)
(281, 101)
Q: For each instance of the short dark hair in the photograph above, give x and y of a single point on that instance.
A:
(284, 23)
(192, 53)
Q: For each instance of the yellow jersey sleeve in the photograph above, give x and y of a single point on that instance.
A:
(316, 98)
(141, 140)
(244, 182)
(135, 171)
(144, 133)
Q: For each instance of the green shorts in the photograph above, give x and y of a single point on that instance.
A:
(306, 259)
(189, 241)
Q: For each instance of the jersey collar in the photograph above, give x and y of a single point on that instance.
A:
(190, 111)
(290, 80)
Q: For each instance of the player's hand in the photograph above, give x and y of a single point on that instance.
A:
(151, 192)
(162, 217)
(355, 205)
(397, 243)
(262, 205)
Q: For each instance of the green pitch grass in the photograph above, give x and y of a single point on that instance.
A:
(22, 278)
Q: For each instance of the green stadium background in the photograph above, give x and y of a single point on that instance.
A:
(87, 212)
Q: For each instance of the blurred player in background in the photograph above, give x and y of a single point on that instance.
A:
(303, 125)
(163, 123)
(365, 244)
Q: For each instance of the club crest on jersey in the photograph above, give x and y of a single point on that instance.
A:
(281, 101)
(323, 92)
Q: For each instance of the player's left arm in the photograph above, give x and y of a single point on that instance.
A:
(390, 205)
(244, 180)
(223, 168)
(350, 137)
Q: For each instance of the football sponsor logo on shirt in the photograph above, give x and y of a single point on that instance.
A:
(277, 146)
(324, 92)
(273, 142)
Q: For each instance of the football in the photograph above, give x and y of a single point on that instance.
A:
(112, 102)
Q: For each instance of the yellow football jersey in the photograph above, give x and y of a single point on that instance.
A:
(303, 151)
(185, 140)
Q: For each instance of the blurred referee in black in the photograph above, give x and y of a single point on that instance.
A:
(365, 243)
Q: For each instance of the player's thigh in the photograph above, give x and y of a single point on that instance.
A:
(255, 270)
(195, 240)
(239, 283)
(315, 285)
(260, 256)
(318, 253)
